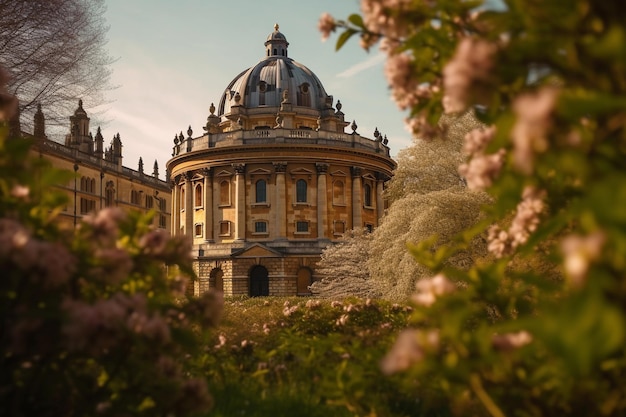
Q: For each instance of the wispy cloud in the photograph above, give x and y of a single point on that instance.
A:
(370, 62)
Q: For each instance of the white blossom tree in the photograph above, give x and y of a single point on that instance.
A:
(429, 198)
(344, 268)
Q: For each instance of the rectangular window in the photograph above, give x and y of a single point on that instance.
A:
(260, 227)
(302, 227)
(225, 228)
(162, 221)
(198, 229)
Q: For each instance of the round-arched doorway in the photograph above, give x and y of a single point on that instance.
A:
(216, 280)
(259, 281)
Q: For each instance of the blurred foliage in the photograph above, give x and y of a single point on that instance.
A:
(94, 320)
(540, 328)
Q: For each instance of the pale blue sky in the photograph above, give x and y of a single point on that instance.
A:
(174, 58)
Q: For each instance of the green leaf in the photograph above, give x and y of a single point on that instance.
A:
(356, 20)
(343, 38)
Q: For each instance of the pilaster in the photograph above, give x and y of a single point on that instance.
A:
(357, 204)
(279, 227)
(322, 205)
(240, 203)
(208, 205)
(188, 204)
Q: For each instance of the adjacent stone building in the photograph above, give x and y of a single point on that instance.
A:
(273, 179)
(101, 179)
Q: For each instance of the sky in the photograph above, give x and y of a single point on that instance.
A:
(174, 58)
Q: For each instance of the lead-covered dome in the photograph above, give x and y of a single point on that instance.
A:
(264, 85)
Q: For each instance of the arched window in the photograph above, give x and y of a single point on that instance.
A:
(198, 196)
(182, 198)
(301, 191)
(367, 191)
(109, 196)
(261, 191)
(225, 193)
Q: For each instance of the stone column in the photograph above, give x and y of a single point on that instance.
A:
(322, 206)
(279, 228)
(208, 205)
(175, 226)
(357, 204)
(240, 203)
(380, 203)
(189, 205)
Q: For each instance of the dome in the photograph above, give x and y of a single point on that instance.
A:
(264, 85)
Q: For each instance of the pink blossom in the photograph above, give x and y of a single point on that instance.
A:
(326, 25)
(54, 264)
(469, 68)
(409, 349)
(401, 79)
(524, 223)
(114, 265)
(386, 18)
(534, 119)
(288, 311)
(222, 341)
(430, 288)
(154, 242)
(477, 140)
(580, 252)
(510, 341)
(481, 170)
(342, 320)
(105, 223)
(20, 191)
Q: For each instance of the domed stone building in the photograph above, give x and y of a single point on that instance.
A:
(273, 180)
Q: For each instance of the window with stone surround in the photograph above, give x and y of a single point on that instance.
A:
(225, 228)
(197, 201)
(367, 195)
(302, 226)
(301, 191)
(261, 191)
(260, 227)
(198, 230)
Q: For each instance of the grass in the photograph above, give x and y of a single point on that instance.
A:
(275, 356)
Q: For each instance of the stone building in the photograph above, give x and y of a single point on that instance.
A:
(273, 179)
(101, 179)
